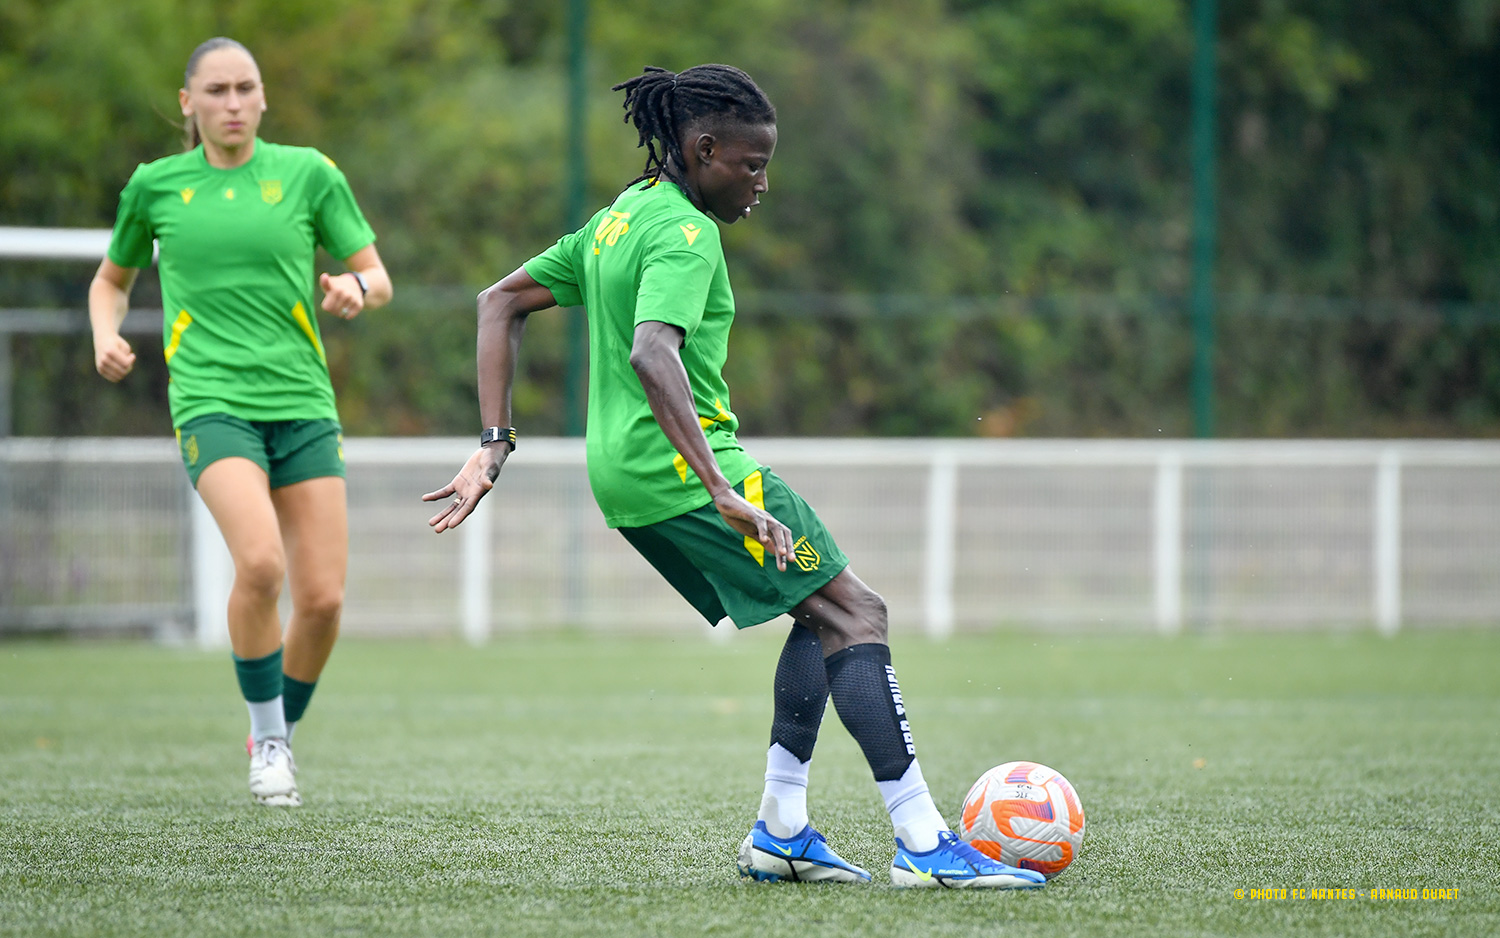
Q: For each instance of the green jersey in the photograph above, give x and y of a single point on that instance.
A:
(649, 257)
(240, 332)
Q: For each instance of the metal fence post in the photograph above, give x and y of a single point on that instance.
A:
(1387, 546)
(213, 577)
(474, 572)
(1167, 515)
(942, 511)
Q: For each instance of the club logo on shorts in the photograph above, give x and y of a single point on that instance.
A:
(270, 191)
(806, 556)
(190, 449)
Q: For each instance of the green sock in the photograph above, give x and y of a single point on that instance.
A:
(260, 678)
(295, 695)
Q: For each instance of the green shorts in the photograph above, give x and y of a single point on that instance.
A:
(722, 572)
(289, 451)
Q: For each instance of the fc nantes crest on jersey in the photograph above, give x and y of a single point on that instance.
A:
(649, 257)
(237, 275)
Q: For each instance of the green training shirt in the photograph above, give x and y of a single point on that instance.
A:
(240, 332)
(649, 257)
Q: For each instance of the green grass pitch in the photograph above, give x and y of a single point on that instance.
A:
(574, 785)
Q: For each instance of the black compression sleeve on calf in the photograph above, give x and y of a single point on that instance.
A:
(863, 686)
(801, 694)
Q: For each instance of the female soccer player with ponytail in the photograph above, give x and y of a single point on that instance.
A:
(237, 221)
(668, 472)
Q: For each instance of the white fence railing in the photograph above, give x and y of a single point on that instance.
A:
(956, 534)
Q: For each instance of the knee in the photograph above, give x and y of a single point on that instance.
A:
(871, 617)
(863, 619)
(259, 573)
(323, 605)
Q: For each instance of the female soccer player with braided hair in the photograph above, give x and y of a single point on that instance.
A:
(237, 221)
(668, 472)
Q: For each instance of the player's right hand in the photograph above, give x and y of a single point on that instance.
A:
(475, 479)
(757, 523)
(113, 357)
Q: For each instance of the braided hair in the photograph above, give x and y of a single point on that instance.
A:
(662, 104)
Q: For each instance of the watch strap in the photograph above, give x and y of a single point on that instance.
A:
(496, 434)
(359, 278)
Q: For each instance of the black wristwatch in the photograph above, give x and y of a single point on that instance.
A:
(359, 278)
(496, 434)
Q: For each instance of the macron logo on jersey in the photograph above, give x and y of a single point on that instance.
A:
(691, 231)
(187, 196)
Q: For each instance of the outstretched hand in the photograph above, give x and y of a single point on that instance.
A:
(756, 523)
(470, 485)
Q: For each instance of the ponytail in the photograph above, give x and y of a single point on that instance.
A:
(660, 103)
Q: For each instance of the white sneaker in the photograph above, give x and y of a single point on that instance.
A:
(273, 774)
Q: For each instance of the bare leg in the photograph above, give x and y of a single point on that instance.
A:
(844, 612)
(314, 519)
(238, 495)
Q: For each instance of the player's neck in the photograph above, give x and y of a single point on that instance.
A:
(673, 173)
(228, 157)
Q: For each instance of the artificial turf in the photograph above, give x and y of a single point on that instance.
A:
(579, 785)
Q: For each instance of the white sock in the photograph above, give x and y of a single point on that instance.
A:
(913, 815)
(784, 805)
(267, 719)
(291, 727)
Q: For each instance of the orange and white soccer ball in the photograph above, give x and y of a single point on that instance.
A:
(1026, 815)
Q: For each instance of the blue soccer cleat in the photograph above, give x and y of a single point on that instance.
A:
(805, 858)
(954, 864)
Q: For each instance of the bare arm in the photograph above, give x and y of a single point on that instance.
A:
(657, 362)
(341, 293)
(109, 300)
(503, 309)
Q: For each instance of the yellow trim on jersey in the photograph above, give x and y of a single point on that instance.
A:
(755, 495)
(723, 416)
(179, 325)
(300, 314)
(681, 466)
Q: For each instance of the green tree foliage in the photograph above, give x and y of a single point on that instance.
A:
(978, 219)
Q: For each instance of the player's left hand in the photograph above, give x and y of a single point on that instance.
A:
(756, 523)
(471, 484)
(341, 295)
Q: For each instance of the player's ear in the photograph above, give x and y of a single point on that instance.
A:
(182, 101)
(704, 147)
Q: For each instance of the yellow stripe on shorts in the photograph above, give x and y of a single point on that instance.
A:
(757, 497)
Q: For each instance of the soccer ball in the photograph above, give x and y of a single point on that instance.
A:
(1026, 815)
